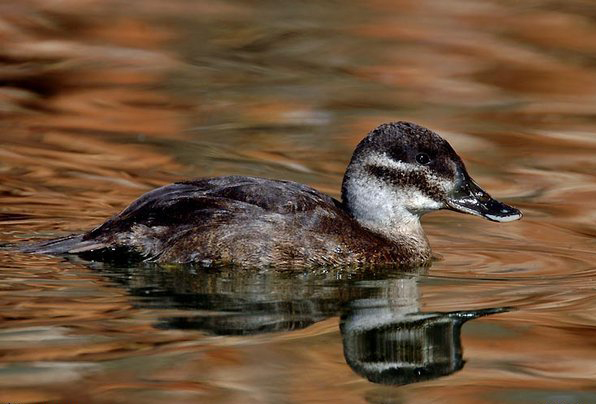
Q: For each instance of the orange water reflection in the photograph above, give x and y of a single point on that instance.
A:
(100, 101)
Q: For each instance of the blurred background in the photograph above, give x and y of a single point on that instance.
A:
(101, 101)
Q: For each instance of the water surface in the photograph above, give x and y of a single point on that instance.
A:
(101, 101)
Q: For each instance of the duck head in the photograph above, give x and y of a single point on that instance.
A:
(401, 171)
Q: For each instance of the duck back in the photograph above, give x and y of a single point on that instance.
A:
(246, 221)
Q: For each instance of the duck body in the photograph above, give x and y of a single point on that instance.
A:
(248, 221)
(398, 172)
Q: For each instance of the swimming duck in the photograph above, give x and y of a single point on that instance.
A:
(398, 172)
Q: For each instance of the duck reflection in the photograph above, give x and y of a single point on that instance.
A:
(386, 337)
(388, 340)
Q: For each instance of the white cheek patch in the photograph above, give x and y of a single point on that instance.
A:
(388, 207)
(375, 201)
(382, 160)
(381, 209)
(418, 202)
(413, 198)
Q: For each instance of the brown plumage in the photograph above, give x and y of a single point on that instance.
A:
(257, 222)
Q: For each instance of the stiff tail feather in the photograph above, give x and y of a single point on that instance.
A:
(72, 244)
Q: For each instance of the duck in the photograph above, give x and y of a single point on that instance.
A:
(399, 172)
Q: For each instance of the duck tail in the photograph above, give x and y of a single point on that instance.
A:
(65, 245)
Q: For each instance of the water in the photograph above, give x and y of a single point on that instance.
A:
(101, 101)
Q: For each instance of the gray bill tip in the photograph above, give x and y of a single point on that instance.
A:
(470, 198)
(508, 214)
(492, 210)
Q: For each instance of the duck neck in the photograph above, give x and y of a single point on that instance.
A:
(382, 210)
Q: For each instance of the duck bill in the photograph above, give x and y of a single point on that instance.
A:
(470, 198)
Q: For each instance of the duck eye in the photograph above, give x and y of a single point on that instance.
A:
(423, 158)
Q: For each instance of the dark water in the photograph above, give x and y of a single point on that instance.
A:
(103, 100)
